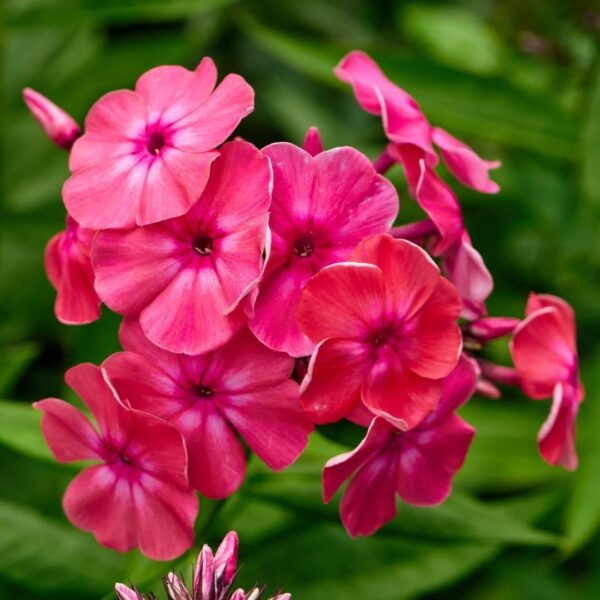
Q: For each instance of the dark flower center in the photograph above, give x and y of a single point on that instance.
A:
(381, 337)
(203, 245)
(155, 143)
(304, 246)
(204, 391)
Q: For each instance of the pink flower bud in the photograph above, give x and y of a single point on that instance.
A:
(60, 127)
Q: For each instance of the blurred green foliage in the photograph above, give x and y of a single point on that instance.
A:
(518, 79)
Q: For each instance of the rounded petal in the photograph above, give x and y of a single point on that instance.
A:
(274, 321)
(541, 354)
(399, 395)
(331, 388)
(205, 129)
(159, 509)
(410, 274)
(342, 300)
(217, 464)
(556, 438)
(97, 500)
(133, 267)
(351, 201)
(67, 431)
(106, 194)
(433, 340)
(341, 467)
(429, 459)
(565, 313)
(469, 168)
(70, 271)
(172, 92)
(271, 422)
(369, 501)
(189, 315)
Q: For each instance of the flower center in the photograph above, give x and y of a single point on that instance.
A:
(204, 391)
(381, 337)
(155, 143)
(203, 245)
(304, 246)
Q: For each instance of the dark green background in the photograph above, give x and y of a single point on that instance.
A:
(518, 79)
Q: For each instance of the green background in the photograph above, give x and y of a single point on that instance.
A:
(520, 81)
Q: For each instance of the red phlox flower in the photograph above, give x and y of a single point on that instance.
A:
(322, 207)
(386, 330)
(140, 488)
(186, 276)
(544, 351)
(242, 388)
(69, 269)
(146, 154)
(418, 465)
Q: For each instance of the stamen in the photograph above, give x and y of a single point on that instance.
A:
(203, 245)
(155, 143)
(304, 246)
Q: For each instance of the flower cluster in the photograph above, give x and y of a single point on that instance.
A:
(213, 578)
(266, 291)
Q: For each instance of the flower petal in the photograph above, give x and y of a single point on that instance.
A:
(271, 422)
(335, 375)
(67, 431)
(342, 300)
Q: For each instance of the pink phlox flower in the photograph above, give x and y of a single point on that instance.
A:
(405, 124)
(185, 277)
(59, 126)
(69, 269)
(387, 334)
(322, 207)
(544, 350)
(146, 154)
(418, 465)
(243, 388)
(140, 489)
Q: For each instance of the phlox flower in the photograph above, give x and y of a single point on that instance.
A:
(59, 126)
(405, 124)
(322, 207)
(145, 155)
(418, 465)
(544, 351)
(69, 269)
(387, 334)
(185, 277)
(140, 488)
(213, 578)
(241, 388)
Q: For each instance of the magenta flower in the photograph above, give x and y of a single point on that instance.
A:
(59, 126)
(405, 124)
(386, 330)
(544, 351)
(242, 388)
(140, 488)
(186, 276)
(322, 207)
(418, 465)
(213, 578)
(69, 269)
(146, 154)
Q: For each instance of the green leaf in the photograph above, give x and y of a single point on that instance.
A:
(460, 518)
(14, 360)
(483, 107)
(20, 430)
(42, 554)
